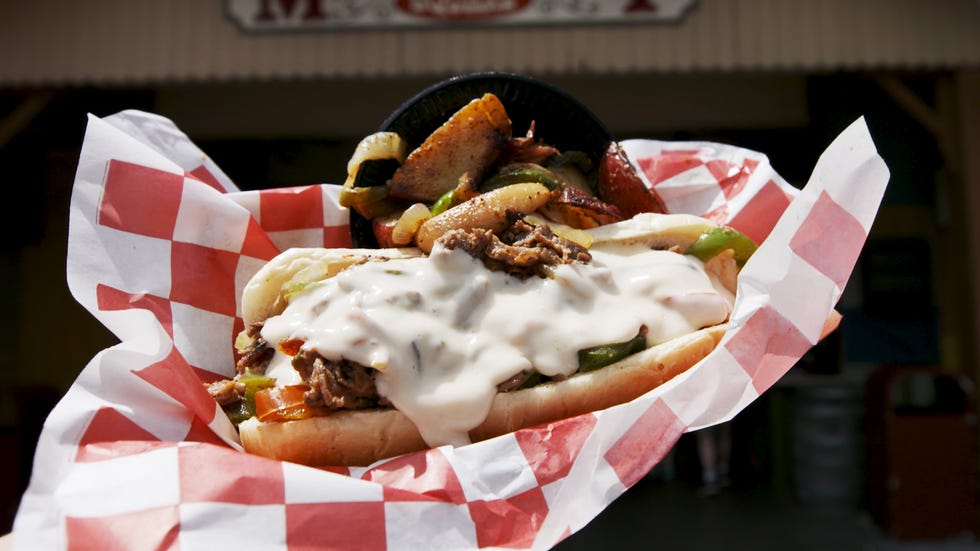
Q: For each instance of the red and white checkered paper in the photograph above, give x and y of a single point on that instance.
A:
(138, 456)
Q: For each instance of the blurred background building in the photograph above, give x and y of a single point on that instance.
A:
(278, 92)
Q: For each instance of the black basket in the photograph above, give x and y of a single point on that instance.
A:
(560, 120)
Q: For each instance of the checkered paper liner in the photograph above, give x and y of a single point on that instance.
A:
(138, 456)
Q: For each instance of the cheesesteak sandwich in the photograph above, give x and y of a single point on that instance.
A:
(354, 355)
(513, 285)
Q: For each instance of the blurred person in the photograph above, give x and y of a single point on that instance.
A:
(714, 445)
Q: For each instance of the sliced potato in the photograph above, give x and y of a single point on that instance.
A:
(573, 207)
(468, 142)
(487, 211)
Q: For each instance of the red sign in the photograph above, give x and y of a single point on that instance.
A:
(474, 10)
(284, 15)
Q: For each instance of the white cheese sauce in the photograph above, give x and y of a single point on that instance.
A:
(444, 331)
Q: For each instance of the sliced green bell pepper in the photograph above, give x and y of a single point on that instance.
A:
(245, 409)
(443, 203)
(520, 174)
(720, 239)
(593, 358)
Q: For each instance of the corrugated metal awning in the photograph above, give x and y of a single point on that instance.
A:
(66, 42)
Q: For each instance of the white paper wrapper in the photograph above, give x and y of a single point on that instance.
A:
(137, 455)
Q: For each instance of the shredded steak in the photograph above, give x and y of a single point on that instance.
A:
(523, 250)
(226, 391)
(337, 384)
(257, 356)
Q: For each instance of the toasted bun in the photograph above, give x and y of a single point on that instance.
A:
(614, 384)
(262, 296)
(362, 437)
(352, 437)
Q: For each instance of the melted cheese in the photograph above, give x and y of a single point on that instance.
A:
(444, 331)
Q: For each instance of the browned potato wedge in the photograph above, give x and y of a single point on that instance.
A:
(488, 211)
(466, 143)
(578, 209)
